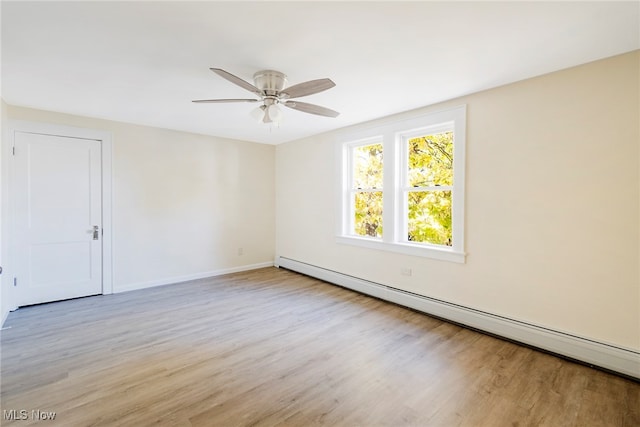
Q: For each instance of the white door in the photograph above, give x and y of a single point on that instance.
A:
(57, 217)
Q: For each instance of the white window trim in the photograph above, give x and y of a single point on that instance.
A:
(348, 188)
(392, 135)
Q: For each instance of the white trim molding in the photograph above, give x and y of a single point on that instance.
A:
(178, 279)
(610, 357)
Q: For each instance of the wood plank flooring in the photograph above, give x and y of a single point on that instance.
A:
(271, 347)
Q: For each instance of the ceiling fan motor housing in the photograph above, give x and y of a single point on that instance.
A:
(270, 81)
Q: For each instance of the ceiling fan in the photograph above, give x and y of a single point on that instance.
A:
(269, 87)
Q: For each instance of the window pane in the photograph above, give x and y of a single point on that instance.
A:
(367, 166)
(429, 217)
(431, 160)
(368, 214)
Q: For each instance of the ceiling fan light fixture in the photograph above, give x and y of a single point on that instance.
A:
(258, 113)
(275, 113)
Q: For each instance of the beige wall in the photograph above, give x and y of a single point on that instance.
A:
(552, 194)
(182, 203)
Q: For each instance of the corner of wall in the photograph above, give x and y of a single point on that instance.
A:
(4, 139)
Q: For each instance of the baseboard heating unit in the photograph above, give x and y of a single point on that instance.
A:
(602, 355)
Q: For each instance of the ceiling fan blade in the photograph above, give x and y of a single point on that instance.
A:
(308, 88)
(311, 108)
(203, 101)
(237, 80)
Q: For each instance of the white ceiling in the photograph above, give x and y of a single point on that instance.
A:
(143, 62)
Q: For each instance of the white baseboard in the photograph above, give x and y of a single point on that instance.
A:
(610, 357)
(186, 278)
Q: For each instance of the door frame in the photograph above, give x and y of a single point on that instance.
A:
(8, 217)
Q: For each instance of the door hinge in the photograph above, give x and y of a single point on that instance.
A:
(15, 281)
(13, 150)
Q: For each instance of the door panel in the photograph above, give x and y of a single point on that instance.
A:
(58, 202)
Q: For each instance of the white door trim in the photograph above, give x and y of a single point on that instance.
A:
(105, 139)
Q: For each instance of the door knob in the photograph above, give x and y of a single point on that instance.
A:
(95, 232)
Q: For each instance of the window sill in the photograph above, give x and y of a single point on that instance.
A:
(442, 254)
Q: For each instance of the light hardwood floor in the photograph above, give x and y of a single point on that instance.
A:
(272, 347)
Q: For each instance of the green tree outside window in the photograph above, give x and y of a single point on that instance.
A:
(367, 183)
(430, 177)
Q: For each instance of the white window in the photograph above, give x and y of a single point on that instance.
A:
(402, 186)
(365, 188)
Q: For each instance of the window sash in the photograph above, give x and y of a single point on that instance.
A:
(404, 188)
(353, 190)
(353, 163)
(406, 221)
(353, 194)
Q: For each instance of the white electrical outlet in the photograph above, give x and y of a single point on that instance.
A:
(240, 251)
(405, 272)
